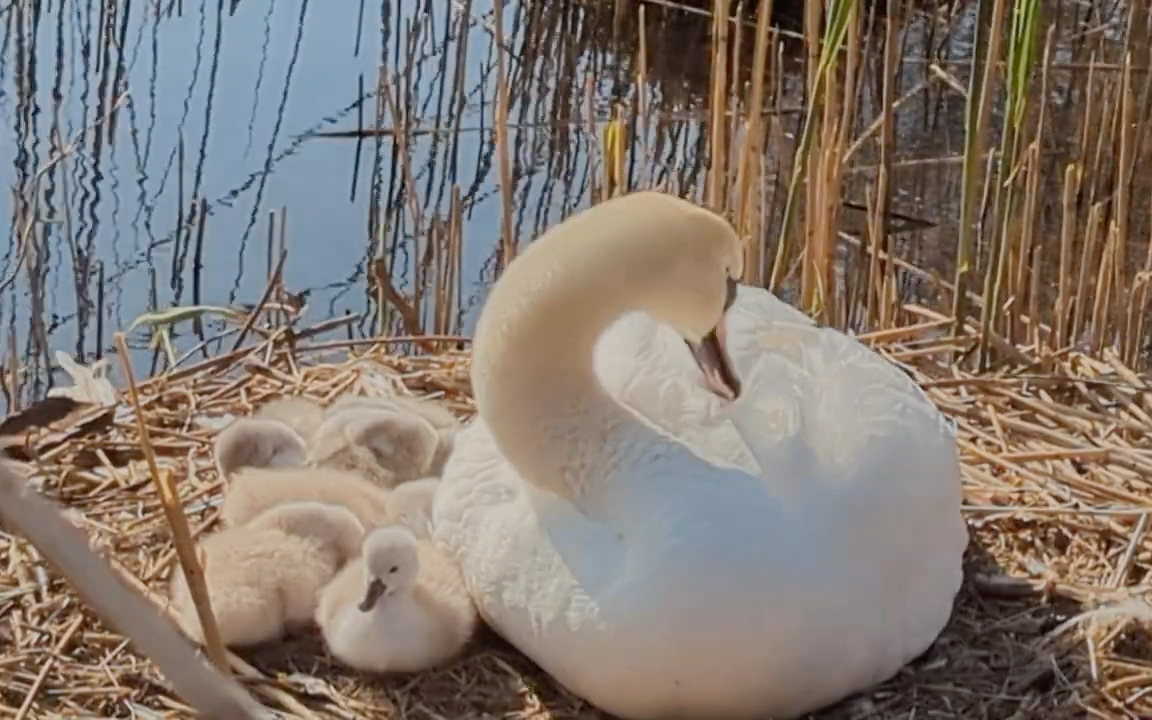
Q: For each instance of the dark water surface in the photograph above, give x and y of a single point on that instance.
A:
(162, 106)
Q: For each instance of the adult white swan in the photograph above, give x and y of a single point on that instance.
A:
(663, 552)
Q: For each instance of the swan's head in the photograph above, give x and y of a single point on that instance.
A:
(692, 284)
(646, 251)
(390, 564)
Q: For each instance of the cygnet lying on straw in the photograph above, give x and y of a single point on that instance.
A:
(255, 490)
(437, 415)
(258, 442)
(400, 607)
(264, 578)
(387, 446)
(302, 414)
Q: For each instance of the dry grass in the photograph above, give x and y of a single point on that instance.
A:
(1055, 480)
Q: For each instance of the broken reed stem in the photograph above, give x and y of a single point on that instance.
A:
(177, 522)
(250, 321)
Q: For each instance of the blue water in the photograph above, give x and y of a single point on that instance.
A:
(243, 94)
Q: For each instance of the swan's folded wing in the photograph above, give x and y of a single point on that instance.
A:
(647, 367)
(820, 406)
(759, 322)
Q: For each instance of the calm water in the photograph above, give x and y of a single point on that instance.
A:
(193, 101)
(160, 106)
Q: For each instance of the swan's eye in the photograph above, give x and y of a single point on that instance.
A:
(393, 569)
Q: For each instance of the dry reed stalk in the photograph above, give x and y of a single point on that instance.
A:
(389, 90)
(507, 240)
(718, 166)
(1071, 187)
(177, 522)
(378, 271)
(817, 96)
(1121, 212)
(1004, 191)
(1029, 261)
(829, 145)
(642, 96)
(986, 55)
(833, 191)
(1087, 117)
(752, 150)
(1103, 288)
(1105, 140)
(1087, 261)
(1026, 255)
(449, 279)
(734, 115)
(878, 228)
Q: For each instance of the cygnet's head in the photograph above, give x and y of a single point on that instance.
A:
(256, 442)
(402, 442)
(332, 524)
(390, 564)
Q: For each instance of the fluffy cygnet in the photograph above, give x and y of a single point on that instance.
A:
(387, 446)
(302, 414)
(410, 505)
(440, 418)
(257, 442)
(400, 607)
(264, 578)
(255, 490)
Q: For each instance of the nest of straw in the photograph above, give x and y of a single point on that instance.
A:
(1047, 624)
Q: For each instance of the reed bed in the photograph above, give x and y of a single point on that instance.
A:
(1032, 342)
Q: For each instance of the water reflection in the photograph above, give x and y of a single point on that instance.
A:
(157, 107)
(151, 146)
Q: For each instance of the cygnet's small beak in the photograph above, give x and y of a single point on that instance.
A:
(710, 355)
(376, 589)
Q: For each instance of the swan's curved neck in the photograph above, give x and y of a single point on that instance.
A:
(534, 381)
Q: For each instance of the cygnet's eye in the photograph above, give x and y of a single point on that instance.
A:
(393, 569)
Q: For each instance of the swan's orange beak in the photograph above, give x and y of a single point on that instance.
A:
(719, 377)
(375, 590)
(714, 363)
